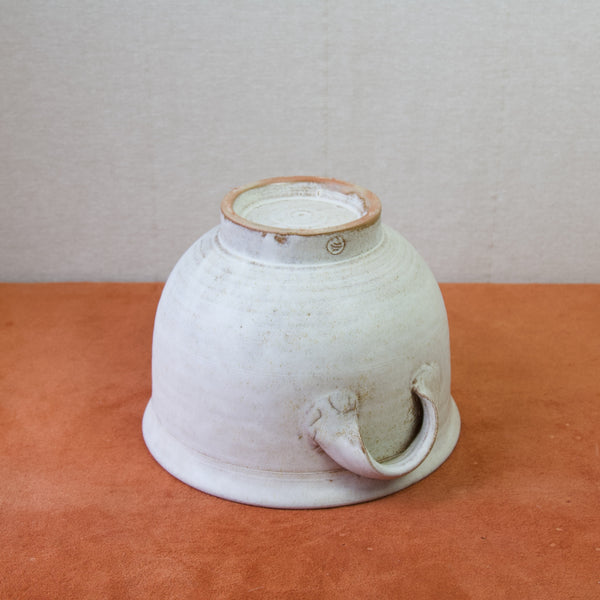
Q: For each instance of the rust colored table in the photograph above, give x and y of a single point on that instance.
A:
(85, 512)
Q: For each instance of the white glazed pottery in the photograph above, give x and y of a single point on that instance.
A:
(301, 354)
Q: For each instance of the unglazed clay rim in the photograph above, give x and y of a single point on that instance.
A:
(370, 200)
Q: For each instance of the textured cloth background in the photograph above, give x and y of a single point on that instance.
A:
(85, 512)
(123, 125)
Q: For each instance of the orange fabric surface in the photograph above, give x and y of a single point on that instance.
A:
(85, 511)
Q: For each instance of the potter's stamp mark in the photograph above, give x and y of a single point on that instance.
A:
(336, 245)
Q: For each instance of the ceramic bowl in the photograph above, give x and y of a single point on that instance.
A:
(301, 353)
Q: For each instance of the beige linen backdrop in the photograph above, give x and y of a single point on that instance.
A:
(123, 123)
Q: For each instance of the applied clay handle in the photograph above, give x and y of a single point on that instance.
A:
(333, 424)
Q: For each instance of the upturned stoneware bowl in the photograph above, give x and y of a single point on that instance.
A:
(301, 354)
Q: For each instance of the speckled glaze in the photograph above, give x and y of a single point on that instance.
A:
(301, 354)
